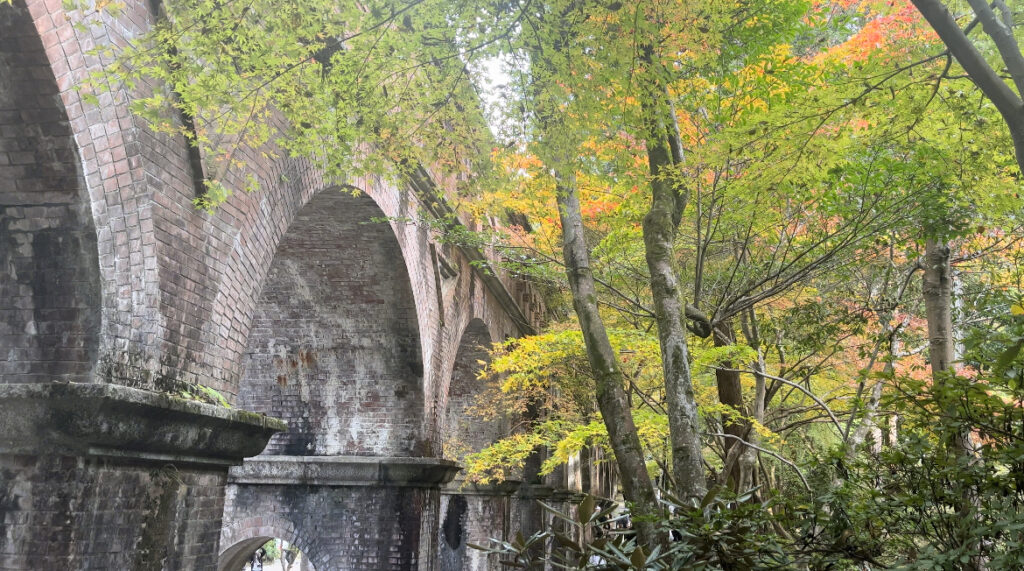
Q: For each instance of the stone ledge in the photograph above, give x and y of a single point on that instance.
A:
(100, 419)
(567, 496)
(535, 492)
(345, 471)
(464, 488)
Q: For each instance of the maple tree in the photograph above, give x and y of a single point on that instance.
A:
(738, 196)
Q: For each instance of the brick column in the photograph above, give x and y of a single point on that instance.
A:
(474, 513)
(99, 476)
(343, 512)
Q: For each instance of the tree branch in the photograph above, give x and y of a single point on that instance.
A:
(779, 457)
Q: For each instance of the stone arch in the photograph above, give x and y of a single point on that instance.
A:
(334, 346)
(50, 296)
(245, 536)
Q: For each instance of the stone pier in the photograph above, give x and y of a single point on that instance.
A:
(343, 512)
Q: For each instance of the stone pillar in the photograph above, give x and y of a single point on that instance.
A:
(528, 517)
(343, 512)
(474, 513)
(100, 476)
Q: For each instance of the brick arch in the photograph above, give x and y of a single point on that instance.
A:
(460, 434)
(260, 221)
(49, 262)
(334, 344)
(239, 540)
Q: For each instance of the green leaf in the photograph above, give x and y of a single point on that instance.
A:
(586, 509)
(566, 541)
(1009, 355)
(710, 496)
(638, 558)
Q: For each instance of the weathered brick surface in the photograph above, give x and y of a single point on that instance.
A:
(49, 276)
(72, 513)
(474, 516)
(334, 348)
(282, 300)
(350, 528)
(461, 431)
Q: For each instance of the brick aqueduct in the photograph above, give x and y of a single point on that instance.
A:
(293, 303)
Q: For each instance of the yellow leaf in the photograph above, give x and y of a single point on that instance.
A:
(1017, 309)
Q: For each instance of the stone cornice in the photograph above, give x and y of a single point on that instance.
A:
(570, 496)
(345, 471)
(535, 491)
(464, 488)
(100, 419)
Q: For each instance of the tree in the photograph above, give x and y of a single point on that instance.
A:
(759, 158)
(999, 29)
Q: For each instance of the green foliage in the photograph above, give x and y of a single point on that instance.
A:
(308, 78)
(271, 552)
(931, 501)
(922, 503)
(498, 461)
(551, 369)
(723, 532)
(203, 393)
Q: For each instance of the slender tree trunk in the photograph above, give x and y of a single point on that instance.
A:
(730, 393)
(869, 423)
(748, 476)
(937, 290)
(611, 395)
(659, 229)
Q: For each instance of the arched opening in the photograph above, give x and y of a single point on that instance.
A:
(461, 433)
(471, 513)
(49, 262)
(334, 346)
(264, 553)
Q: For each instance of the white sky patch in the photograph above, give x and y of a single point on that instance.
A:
(493, 83)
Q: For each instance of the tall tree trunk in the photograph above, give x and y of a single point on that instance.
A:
(659, 229)
(937, 290)
(611, 395)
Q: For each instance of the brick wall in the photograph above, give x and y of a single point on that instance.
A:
(354, 528)
(334, 347)
(62, 512)
(475, 516)
(49, 277)
(461, 432)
